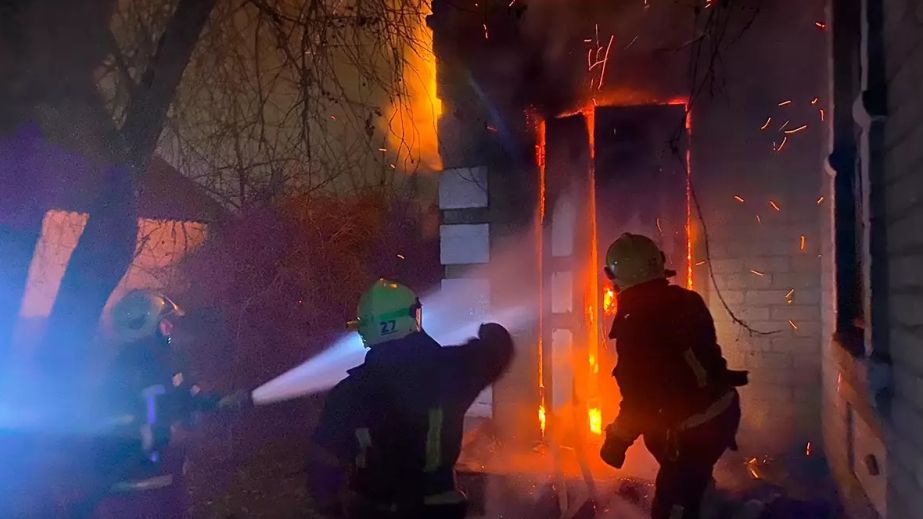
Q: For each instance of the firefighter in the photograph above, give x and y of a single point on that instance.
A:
(676, 388)
(390, 433)
(138, 472)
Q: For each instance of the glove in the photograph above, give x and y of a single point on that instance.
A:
(613, 451)
(494, 333)
(236, 400)
(736, 378)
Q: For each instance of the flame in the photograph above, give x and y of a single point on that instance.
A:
(610, 303)
(541, 418)
(539, 238)
(688, 195)
(414, 114)
(595, 416)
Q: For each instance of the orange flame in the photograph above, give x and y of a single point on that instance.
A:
(539, 238)
(610, 303)
(414, 114)
(595, 416)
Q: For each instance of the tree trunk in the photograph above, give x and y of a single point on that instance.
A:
(108, 242)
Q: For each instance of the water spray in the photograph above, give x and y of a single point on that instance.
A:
(443, 319)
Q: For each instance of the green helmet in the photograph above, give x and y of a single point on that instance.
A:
(633, 259)
(138, 314)
(386, 312)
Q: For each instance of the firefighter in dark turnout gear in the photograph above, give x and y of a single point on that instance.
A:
(146, 393)
(676, 388)
(391, 432)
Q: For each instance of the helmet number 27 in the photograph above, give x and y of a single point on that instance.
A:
(388, 327)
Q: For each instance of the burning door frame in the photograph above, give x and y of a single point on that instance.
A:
(577, 397)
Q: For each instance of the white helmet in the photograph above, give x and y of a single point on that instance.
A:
(138, 314)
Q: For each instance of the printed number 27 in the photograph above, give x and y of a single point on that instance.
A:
(388, 327)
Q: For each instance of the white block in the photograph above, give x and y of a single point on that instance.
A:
(562, 370)
(469, 296)
(563, 227)
(464, 244)
(463, 188)
(562, 292)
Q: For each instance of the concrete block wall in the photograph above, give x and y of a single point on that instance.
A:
(903, 172)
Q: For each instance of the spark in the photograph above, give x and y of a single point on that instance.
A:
(815, 100)
(766, 124)
(781, 128)
(492, 129)
(808, 450)
(588, 40)
(774, 205)
(820, 25)
(757, 273)
(803, 242)
(699, 264)
(758, 219)
(820, 199)
(792, 324)
(801, 128)
(790, 296)
(511, 3)
(821, 111)
(333, 118)
(709, 4)
(786, 102)
(738, 198)
(751, 467)
(602, 74)
(486, 32)
(659, 226)
(392, 166)
(401, 256)
(784, 140)
(541, 418)
(632, 42)
(383, 150)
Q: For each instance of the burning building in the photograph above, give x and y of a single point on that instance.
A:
(701, 126)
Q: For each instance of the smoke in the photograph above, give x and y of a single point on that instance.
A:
(452, 313)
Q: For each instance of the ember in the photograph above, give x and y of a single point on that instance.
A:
(739, 199)
(774, 205)
(757, 272)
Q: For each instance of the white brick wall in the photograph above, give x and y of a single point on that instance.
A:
(903, 192)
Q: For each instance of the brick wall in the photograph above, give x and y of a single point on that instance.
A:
(903, 178)
(732, 156)
(898, 492)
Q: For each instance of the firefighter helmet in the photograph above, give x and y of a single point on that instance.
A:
(386, 312)
(138, 314)
(633, 259)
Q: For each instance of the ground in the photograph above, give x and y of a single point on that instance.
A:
(261, 474)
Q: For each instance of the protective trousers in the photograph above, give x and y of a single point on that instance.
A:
(687, 459)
